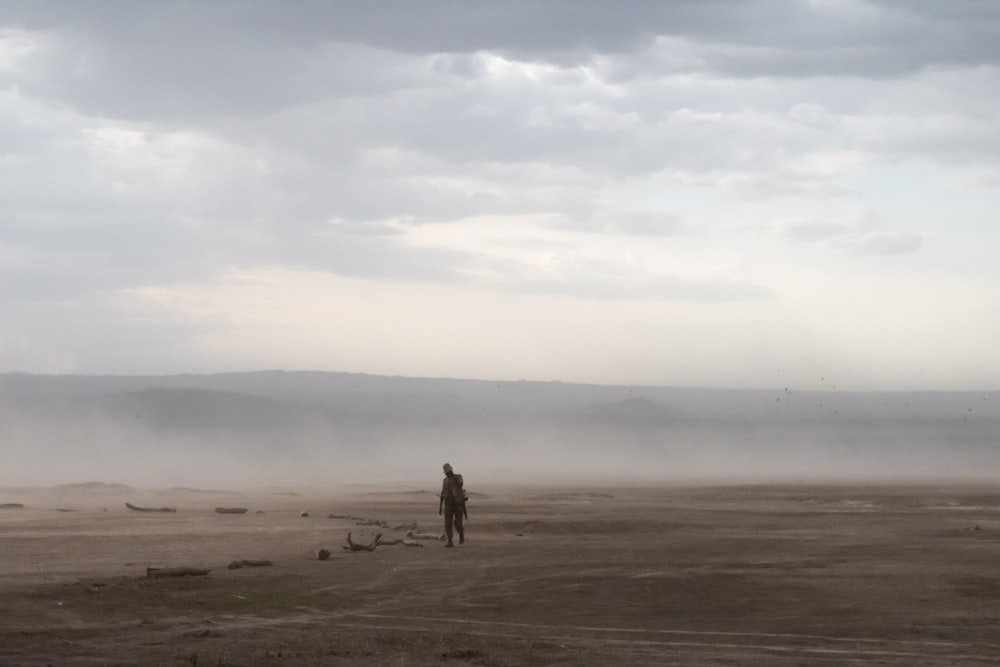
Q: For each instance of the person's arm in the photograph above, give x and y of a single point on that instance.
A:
(461, 484)
(441, 498)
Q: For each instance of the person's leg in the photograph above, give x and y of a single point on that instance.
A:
(459, 526)
(449, 518)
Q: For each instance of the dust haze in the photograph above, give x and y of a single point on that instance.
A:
(302, 429)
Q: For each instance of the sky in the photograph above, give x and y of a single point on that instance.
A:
(710, 193)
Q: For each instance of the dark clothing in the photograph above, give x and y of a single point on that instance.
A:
(452, 489)
(453, 500)
(453, 515)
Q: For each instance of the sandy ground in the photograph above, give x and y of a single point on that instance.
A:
(762, 575)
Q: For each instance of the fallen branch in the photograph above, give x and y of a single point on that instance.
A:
(403, 526)
(370, 522)
(351, 546)
(363, 521)
(237, 564)
(176, 571)
(414, 535)
(150, 509)
(231, 510)
(406, 542)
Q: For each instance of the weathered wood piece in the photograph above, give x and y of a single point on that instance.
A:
(364, 521)
(370, 522)
(11, 506)
(237, 564)
(231, 510)
(136, 508)
(154, 572)
(404, 526)
(414, 535)
(405, 541)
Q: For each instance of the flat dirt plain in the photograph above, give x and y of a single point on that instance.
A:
(721, 575)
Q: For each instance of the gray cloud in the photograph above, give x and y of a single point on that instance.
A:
(623, 221)
(812, 230)
(151, 144)
(874, 38)
(885, 243)
(860, 232)
(652, 288)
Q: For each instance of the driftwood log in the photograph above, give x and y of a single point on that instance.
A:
(11, 506)
(237, 564)
(414, 535)
(150, 509)
(404, 526)
(352, 546)
(405, 541)
(176, 571)
(363, 521)
(231, 510)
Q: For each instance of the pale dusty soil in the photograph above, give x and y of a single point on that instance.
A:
(765, 575)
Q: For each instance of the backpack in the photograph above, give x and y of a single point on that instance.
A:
(456, 490)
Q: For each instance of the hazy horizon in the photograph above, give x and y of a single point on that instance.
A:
(822, 386)
(329, 429)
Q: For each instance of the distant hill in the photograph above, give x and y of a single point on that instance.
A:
(96, 488)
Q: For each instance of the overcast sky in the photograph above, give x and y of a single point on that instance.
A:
(699, 193)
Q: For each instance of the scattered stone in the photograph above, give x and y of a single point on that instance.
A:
(352, 546)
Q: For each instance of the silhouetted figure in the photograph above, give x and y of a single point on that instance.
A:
(452, 504)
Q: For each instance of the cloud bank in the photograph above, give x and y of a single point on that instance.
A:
(699, 193)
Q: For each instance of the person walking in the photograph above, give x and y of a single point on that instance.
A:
(452, 504)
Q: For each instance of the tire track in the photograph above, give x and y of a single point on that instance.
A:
(786, 644)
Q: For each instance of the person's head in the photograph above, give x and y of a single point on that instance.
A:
(448, 470)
